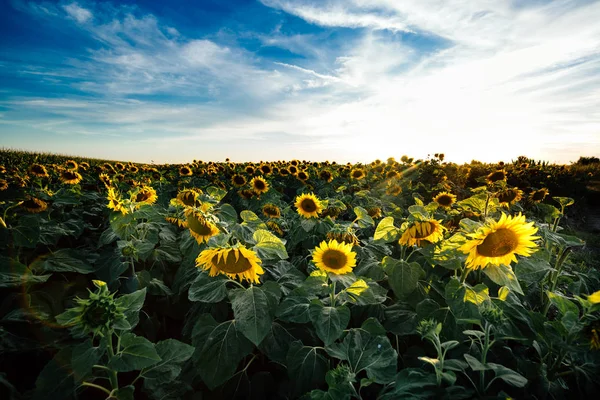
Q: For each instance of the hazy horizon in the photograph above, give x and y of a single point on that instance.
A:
(351, 80)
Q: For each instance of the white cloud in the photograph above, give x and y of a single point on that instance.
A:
(79, 14)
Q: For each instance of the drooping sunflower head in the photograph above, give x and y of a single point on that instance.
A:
(393, 189)
(38, 170)
(70, 177)
(498, 242)
(274, 226)
(3, 185)
(84, 166)
(105, 179)
(539, 195)
(187, 197)
(334, 257)
(144, 195)
(422, 232)
(374, 212)
(308, 205)
(185, 171)
(445, 199)
(342, 235)
(271, 211)
(357, 173)
(34, 205)
(200, 227)
(259, 185)
(392, 175)
(238, 180)
(509, 196)
(72, 165)
(237, 263)
(496, 176)
(114, 201)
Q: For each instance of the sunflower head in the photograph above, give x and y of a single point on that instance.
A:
(237, 263)
(144, 195)
(357, 173)
(249, 170)
(539, 195)
(393, 189)
(274, 226)
(374, 212)
(445, 199)
(326, 175)
(496, 176)
(509, 196)
(238, 180)
(70, 177)
(187, 197)
(38, 170)
(331, 212)
(185, 171)
(200, 227)
(392, 175)
(72, 165)
(303, 176)
(308, 205)
(114, 201)
(34, 205)
(498, 242)
(343, 236)
(422, 232)
(266, 169)
(293, 169)
(284, 172)
(271, 211)
(105, 179)
(334, 257)
(259, 185)
(3, 185)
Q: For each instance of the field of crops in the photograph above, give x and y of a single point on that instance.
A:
(295, 279)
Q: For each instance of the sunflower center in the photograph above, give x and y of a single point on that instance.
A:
(423, 229)
(260, 185)
(507, 196)
(308, 205)
(142, 196)
(69, 175)
(444, 200)
(230, 265)
(334, 259)
(188, 198)
(499, 243)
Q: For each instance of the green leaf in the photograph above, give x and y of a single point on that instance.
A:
(306, 368)
(27, 233)
(56, 377)
(509, 376)
(136, 353)
(386, 231)
(227, 213)
(208, 289)
(173, 354)
(532, 270)
(251, 220)
(418, 212)
(268, 246)
(124, 393)
(564, 201)
(276, 344)
(474, 363)
(294, 309)
(365, 351)
(504, 276)
(563, 304)
(83, 358)
(64, 260)
(329, 322)
(223, 347)
(363, 219)
(251, 312)
(403, 277)
(132, 303)
(412, 383)
(13, 274)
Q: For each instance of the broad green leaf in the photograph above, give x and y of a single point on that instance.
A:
(563, 304)
(294, 309)
(477, 294)
(306, 368)
(277, 343)
(509, 376)
(474, 363)
(268, 246)
(227, 213)
(363, 219)
(564, 201)
(251, 312)
(132, 303)
(64, 260)
(418, 212)
(208, 289)
(403, 277)
(386, 231)
(251, 220)
(412, 383)
(124, 393)
(365, 351)
(83, 358)
(56, 377)
(27, 233)
(135, 354)
(173, 354)
(329, 322)
(13, 273)
(504, 276)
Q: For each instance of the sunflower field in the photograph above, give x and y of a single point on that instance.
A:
(416, 279)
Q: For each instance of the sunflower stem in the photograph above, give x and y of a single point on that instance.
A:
(112, 375)
(554, 277)
(93, 385)
(463, 277)
(487, 202)
(332, 295)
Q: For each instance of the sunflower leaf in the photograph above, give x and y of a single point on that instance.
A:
(504, 276)
(363, 219)
(403, 277)
(306, 368)
(208, 289)
(251, 312)
(386, 231)
(329, 322)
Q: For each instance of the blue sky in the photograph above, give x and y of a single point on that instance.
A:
(345, 80)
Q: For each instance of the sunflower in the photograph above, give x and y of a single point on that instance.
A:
(105, 179)
(392, 175)
(70, 177)
(133, 169)
(308, 205)
(34, 205)
(187, 197)
(38, 170)
(249, 170)
(331, 212)
(275, 228)
(119, 166)
(246, 194)
(72, 165)
(357, 173)
(200, 228)
(326, 175)
(293, 169)
(496, 176)
(239, 262)
(422, 232)
(303, 176)
(185, 171)
(374, 212)
(114, 202)
(271, 211)
(84, 166)
(539, 195)
(445, 199)
(259, 185)
(336, 258)
(144, 195)
(266, 169)
(3, 184)
(346, 236)
(393, 189)
(497, 242)
(238, 180)
(284, 172)
(509, 196)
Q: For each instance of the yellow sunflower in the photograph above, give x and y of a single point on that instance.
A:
(105, 179)
(259, 185)
(308, 205)
(273, 226)
(271, 211)
(393, 189)
(185, 171)
(539, 195)
(509, 196)
(498, 242)
(422, 232)
(334, 257)
(496, 176)
(240, 262)
(187, 197)
(445, 199)
(3, 184)
(70, 177)
(71, 164)
(114, 202)
(326, 175)
(357, 174)
(200, 228)
(303, 176)
(34, 205)
(144, 195)
(374, 212)
(39, 171)
(238, 180)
